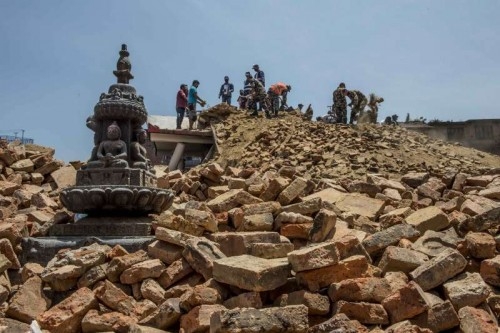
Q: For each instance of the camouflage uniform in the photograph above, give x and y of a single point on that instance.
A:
(258, 95)
(373, 105)
(358, 103)
(340, 105)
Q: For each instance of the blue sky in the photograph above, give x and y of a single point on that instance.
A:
(436, 59)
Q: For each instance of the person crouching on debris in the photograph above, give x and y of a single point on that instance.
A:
(242, 99)
(193, 98)
(373, 105)
(357, 105)
(393, 120)
(274, 93)
(258, 95)
(181, 104)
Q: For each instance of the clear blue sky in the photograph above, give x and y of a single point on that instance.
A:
(436, 59)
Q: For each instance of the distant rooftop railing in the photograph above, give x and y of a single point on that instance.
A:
(12, 138)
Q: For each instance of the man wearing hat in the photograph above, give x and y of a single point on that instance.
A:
(259, 74)
(339, 107)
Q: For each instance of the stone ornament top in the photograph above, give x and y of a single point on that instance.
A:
(123, 67)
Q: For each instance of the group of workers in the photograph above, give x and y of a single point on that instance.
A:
(358, 102)
(253, 97)
(186, 101)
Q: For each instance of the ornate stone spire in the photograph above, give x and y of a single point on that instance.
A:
(123, 67)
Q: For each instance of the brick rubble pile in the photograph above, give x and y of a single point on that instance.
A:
(30, 181)
(286, 245)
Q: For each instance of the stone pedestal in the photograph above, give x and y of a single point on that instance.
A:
(41, 250)
(105, 227)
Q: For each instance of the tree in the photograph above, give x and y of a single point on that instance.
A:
(407, 118)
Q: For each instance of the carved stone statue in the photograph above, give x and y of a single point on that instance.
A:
(118, 179)
(111, 152)
(138, 153)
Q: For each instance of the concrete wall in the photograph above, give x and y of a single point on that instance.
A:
(482, 134)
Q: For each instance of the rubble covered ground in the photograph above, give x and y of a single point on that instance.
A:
(294, 226)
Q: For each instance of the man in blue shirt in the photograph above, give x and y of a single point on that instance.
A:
(193, 98)
(226, 90)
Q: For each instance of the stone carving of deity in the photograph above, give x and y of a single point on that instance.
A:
(112, 152)
(138, 153)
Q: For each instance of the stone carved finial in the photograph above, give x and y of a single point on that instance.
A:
(123, 67)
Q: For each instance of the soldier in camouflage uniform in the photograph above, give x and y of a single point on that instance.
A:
(373, 105)
(340, 104)
(258, 95)
(354, 100)
(358, 103)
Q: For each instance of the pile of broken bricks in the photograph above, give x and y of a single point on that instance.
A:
(329, 151)
(30, 182)
(275, 251)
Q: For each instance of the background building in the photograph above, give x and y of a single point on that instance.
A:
(482, 134)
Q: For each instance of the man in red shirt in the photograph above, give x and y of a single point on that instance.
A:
(275, 91)
(181, 104)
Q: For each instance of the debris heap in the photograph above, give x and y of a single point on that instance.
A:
(286, 245)
(30, 181)
(335, 151)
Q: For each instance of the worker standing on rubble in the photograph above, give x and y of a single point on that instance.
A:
(340, 104)
(274, 93)
(373, 105)
(193, 99)
(247, 86)
(259, 76)
(181, 104)
(258, 95)
(226, 91)
(358, 103)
